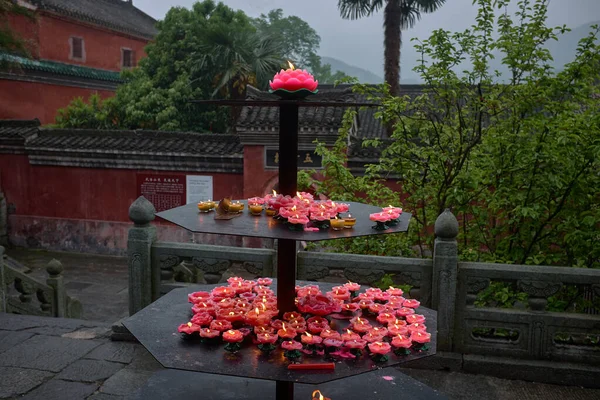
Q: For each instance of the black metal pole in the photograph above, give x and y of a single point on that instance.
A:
(288, 176)
(284, 390)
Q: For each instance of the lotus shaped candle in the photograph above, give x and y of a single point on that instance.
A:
(202, 319)
(401, 344)
(318, 305)
(293, 79)
(379, 351)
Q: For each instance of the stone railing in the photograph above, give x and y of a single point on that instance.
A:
(442, 283)
(22, 294)
(531, 332)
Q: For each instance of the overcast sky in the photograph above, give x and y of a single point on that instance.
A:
(360, 42)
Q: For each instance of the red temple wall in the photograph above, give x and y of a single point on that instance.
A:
(29, 100)
(86, 209)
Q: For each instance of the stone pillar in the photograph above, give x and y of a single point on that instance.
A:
(55, 281)
(444, 277)
(142, 279)
(2, 282)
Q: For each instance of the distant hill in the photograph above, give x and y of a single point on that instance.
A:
(363, 75)
(562, 50)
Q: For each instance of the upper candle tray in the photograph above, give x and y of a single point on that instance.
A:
(263, 226)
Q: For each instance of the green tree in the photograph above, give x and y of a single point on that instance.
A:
(197, 52)
(517, 162)
(397, 15)
(11, 42)
(299, 41)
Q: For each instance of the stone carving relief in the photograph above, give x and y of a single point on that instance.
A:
(364, 276)
(167, 263)
(208, 265)
(253, 268)
(476, 285)
(313, 273)
(409, 278)
(539, 288)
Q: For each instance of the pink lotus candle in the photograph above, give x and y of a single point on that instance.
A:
(340, 293)
(267, 338)
(330, 334)
(202, 319)
(382, 297)
(379, 350)
(264, 329)
(411, 303)
(380, 217)
(331, 342)
(298, 325)
(234, 280)
(404, 311)
(395, 304)
(277, 323)
(352, 286)
(379, 330)
(342, 207)
(298, 219)
(242, 287)
(203, 307)
(233, 336)
(248, 296)
(416, 327)
(222, 291)
(372, 337)
(349, 335)
(392, 291)
(415, 318)
(365, 304)
(288, 316)
(231, 316)
(257, 317)
(291, 345)
(373, 291)
(242, 305)
(224, 303)
(293, 79)
(420, 337)
(220, 325)
(376, 308)
(309, 339)
(356, 346)
(197, 297)
(361, 325)
(188, 328)
(264, 281)
(394, 330)
(350, 307)
(208, 333)
(287, 332)
(385, 318)
(256, 201)
(401, 342)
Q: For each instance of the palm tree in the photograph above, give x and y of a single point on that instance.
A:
(238, 58)
(397, 15)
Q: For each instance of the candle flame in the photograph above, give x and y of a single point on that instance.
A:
(231, 313)
(315, 393)
(189, 324)
(283, 326)
(257, 311)
(263, 306)
(299, 195)
(349, 216)
(274, 192)
(231, 332)
(294, 208)
(291, 65)
(308, 334)
(349, 331)
(266, 335)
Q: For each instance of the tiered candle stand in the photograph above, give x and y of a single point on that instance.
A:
(178, 354)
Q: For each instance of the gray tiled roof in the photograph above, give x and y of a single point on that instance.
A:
(328, 119)
(183, 143)
(118, 15)
(14, 132)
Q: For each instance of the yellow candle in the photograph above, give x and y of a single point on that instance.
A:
(205, 206)
(337, 224)
(256, 209)
(349, 221)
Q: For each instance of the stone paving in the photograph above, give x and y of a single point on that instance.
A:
(64, 359)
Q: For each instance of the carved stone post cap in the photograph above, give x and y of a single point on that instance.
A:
(446, 225)
(54, 267)
(141, 211)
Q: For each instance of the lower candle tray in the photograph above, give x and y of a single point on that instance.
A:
(156, 328)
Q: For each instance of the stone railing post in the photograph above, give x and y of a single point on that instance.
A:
(444, 277)
(55, 281)
(143, 282)
(2, 282)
